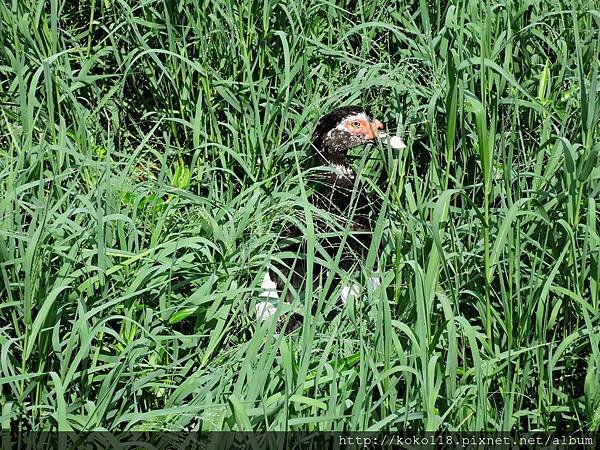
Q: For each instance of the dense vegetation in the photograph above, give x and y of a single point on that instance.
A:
(151, 153)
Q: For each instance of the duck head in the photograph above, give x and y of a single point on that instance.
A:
(340, 130)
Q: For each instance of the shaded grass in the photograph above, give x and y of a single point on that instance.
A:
(151, 154)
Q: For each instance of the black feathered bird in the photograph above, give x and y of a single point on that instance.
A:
(337, 191)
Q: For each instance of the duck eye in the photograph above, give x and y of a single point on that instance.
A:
(355, 124)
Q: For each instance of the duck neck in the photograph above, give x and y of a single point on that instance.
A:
(341, 172)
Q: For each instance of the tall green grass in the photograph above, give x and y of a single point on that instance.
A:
(151, 153)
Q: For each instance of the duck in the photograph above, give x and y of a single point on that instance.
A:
(338, 190)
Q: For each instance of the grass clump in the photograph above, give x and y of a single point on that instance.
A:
(151, 152)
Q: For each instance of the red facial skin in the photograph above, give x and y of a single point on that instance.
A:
(364, 127)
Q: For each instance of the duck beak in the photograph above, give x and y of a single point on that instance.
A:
(375, 125)
(377, 131)
(394, 141)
